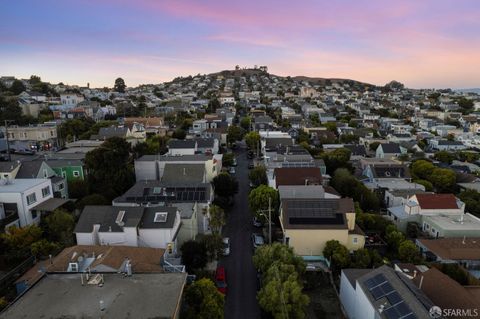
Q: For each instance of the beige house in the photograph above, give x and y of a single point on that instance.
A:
(308, 224)
(32, 133)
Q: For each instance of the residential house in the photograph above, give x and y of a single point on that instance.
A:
(381, 293)
(308, 222)
(261, 123)
(464, 251)
(446, 145)
(8, 170)
(182, 147)
(114, 296)
(155, 227)
(39, 137)
(41, 169)
(20, 197)
(71, 169)
(296, 176)
(389, 150)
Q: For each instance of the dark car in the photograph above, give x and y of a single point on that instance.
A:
(251, 166)
(250, 155)
(3, 158)
(24, 152)
(221, 280)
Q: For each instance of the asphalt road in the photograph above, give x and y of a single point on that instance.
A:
(241, 299)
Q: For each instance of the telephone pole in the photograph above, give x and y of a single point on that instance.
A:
(6, 136)
(262, 212)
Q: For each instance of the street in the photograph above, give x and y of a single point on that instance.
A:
(241, 299)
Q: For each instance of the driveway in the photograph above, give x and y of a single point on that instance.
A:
(241, 299)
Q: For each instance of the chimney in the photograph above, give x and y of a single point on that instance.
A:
(421, 283)
(184, 172)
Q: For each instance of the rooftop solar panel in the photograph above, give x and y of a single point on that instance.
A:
(394, 298)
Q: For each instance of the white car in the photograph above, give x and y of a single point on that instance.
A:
(232, 170)
(226, 246)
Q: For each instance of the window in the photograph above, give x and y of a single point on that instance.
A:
(32, 198)
(160, 217)
(34, 214)
(76, 173)
(73, 267)
(45, 173)
(355, 240)
(433, 230)
(60, 186)
(64, 174)
(45, 191)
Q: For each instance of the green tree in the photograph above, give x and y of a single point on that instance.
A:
(227, 159)
(225, 185)
(348, 186)
(77, 189)
(443, 179)
(203, 301)
(252, 139)
(394, 238)
(92, 199)
(213, 105)
(465, 103)
(19, 240)
(408, 252)
(234, 133)
(217, 219)
(245, 123)
(338, 158)
(444, 157)
(471, 198)
(283, 298)
(9, 109)
(373, 146)
(428, 185)
(179, 134)
(259, 197)
(17, 87)
(213, 243)
(258, 176)
(43, 248)
(422, 169)
(266, 255)
(337, 253)
(120, 85)
(194, 255)
(110, 171)
(361, 258)
(59, 226)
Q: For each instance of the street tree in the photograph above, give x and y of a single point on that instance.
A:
(203, 301)
(216, 219)
(194, 255)
(252, 139)
(119, 86)
(225, 185)
(339, 158)
(266, 255)
(443, 179)
(179, 134)
(258, 176)
(234, 134)
(227, 159)
(258, 200)
(444, 157)
(245, 123)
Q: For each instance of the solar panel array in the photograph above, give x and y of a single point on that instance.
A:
(312, 208)
(166, 194)
(297, 164)
(379, 287)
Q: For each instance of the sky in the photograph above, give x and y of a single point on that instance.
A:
(421, 43)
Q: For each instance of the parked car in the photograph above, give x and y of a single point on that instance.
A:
(257, 222)
(3, 158)
(232, 170)
(251, 165)
(234, 162)
(24, 152)
(221, 280)
(257, 240)
(226, 246)
(250, 154)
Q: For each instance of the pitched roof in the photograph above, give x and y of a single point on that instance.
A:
(205, 142)
(452, 295)
(390, 148)
(437, 201)
(181, 144)
(390, 171)
(149, 216)
(355, 149)
(29, 169)
(105, 216)
(298, 176)
(454, 248)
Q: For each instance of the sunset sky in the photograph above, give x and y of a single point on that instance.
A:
(422, 43)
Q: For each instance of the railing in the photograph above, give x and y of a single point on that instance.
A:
(172, 264)
(7, 220)
(17, 272)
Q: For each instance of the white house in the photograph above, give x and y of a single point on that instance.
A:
(155, 227)
(380, 293)
(18, 198)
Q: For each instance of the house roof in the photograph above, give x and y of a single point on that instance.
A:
(29, 169)
(390, 171)
(205, 142)
(454, 248)
(105, 216)
(356, 150)
(390, 148)
(297, 176)
(452, 295)
(315, 213)
(8, 166)
(301, 191)
(171, 158)
(437, 201)
(183, 173)
(106, 132)
(352, 274)
(51, 204)
(273, 143)
(181, 144)
(385, 279)
(63, 296)
(150, 213)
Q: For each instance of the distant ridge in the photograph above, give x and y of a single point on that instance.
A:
(474, 90)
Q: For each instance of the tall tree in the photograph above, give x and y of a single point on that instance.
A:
(110, 171)
(259, 197)
(234, 133)
(258, 176)
(217, 219)
(225, 185)
(203, 301)
(17, 87)
(252, 139)
(194, 255)
(9, 109)
(119, 86)
(59, 227)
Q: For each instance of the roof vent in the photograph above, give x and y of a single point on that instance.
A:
(119, 220)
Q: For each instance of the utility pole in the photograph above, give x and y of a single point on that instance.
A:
(6, 135)
(270, 220)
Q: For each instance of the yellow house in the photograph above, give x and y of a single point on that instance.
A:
(308, 224)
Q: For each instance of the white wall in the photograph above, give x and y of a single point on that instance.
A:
(181, 151)
(347, 296)
(363, 307)
(86, 239)
(155, 237)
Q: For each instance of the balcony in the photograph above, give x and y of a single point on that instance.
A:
(9, 218)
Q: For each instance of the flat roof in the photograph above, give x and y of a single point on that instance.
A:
(138, 296)
(21, 185)
(469, 222)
